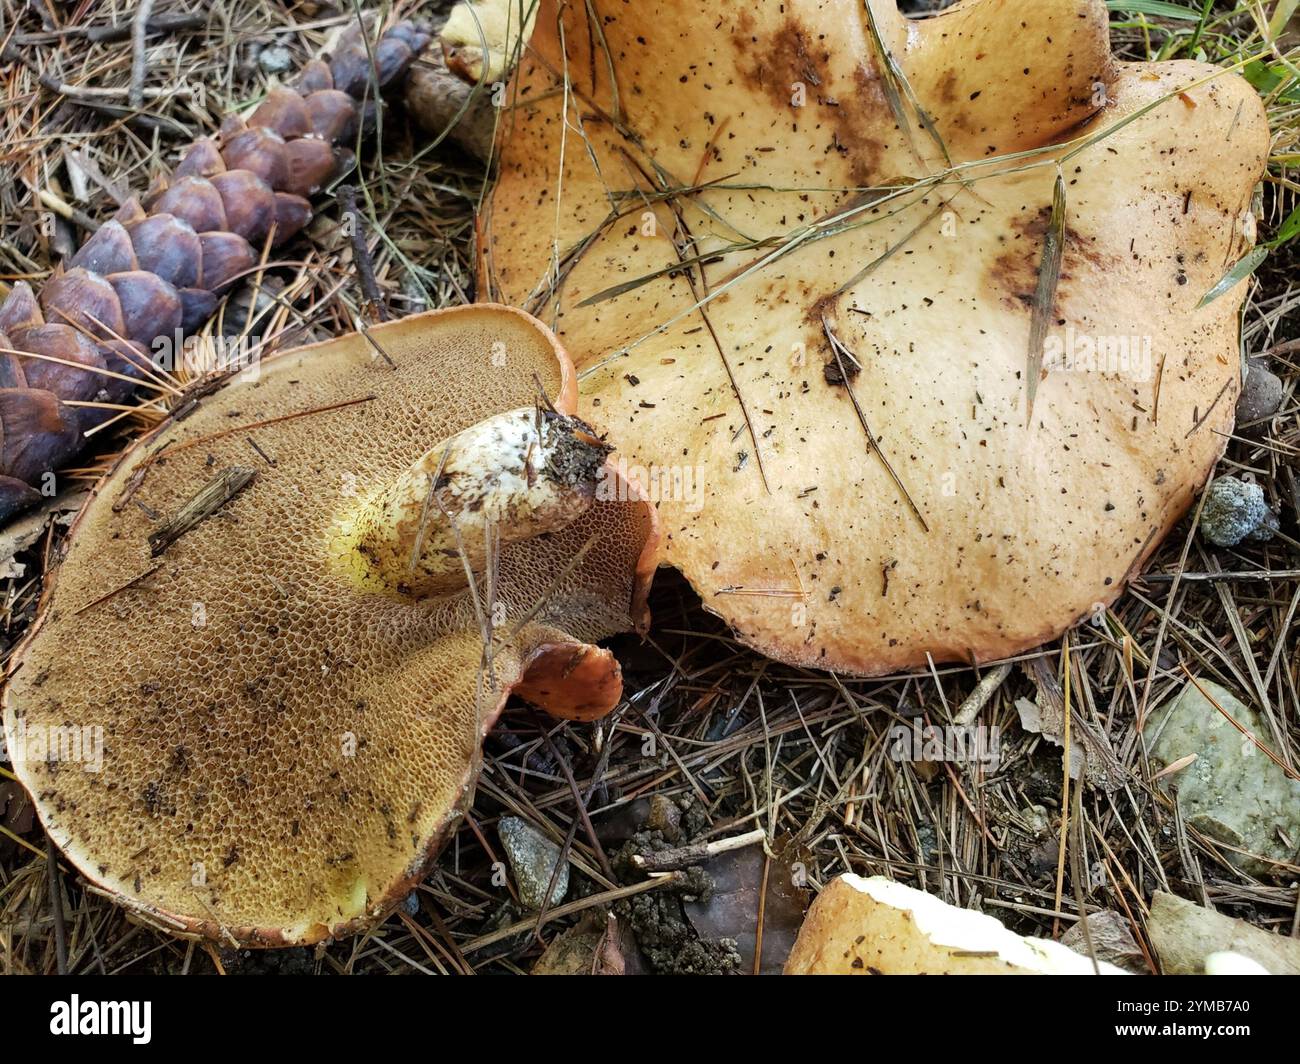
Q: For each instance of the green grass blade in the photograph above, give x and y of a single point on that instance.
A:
(1156, 8)
(1049, 276)
(1289, 230)
(1243, 269)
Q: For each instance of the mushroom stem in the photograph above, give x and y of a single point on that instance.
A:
(512, 477)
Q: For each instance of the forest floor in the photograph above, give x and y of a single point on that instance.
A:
(711, 740)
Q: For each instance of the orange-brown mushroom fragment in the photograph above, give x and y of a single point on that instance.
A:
(288, 729)
(756, 180)
(876, 926)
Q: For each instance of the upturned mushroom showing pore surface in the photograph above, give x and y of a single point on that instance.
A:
(916, 303)
(291, 615)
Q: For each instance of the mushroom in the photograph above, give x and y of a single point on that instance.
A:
(920, 304)
(875, 926)
(481, 38)
(289, 620)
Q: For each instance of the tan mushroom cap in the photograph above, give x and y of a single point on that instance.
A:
(745, 137)
(283, 751)
(876, 926)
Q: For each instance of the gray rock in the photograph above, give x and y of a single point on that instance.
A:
(1112, 941)
(532, 858)
(275, 59)
(1261, 393)
(1232, 792)
(1236, 510)
(1184, 934)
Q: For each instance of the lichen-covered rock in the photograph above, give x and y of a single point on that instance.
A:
(275, 59)
(1232, 791)
(533, 858)
(1236, 510)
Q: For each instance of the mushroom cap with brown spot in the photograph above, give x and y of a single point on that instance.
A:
(749, 179)
(283, 752)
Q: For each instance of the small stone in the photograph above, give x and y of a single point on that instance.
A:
(1261, 393)
(532, 858)
(1232, 791)
(1036, 820)
(411, 904)
(1111, 939)
(665, 817)
(275, 59)
(1236, 510)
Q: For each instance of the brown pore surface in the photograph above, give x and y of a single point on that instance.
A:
(282, 750)
(995, 531)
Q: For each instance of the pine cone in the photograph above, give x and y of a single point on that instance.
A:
(157, 269)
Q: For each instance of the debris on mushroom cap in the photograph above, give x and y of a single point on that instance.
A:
(481, 38)
(283, 744)
(878, 927)
(770, 275)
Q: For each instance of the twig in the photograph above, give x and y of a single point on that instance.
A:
(1065, 784)
(1236, 574)
(584, 800)
(145, 122)
(356, 227)
(118, 31)
(761, 917)
(56, 906)
(838, 349)
(118, 590)
(169, 449)
(581, 803)
(139, 57)
(607, 897)
(685, 856)
(65, 210)
(979, 697)
(206, 501)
